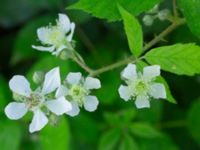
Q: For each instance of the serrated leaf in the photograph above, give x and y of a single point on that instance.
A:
(109, 140)
(107, 9)
(55, 136)
(133, 32)
(128, 143)
(181, 59)
(144, 130)
(191, 11)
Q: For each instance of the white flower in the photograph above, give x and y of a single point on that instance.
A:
(76, 89)
(141, 87)
(36, 101)
(56, 38)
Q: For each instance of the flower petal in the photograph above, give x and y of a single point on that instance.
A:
(129, 72)
(42, 48)
(157, 90)
(64, 22)
(19, 84)
(70, 36)
(151, 72)
(15, 110)
(91, 103)
(43, 34)
(142, 102)
(61, 91)
(92, 83)
(59, 106)
(75, 110)
(38, 122)
(124, 92)
(58, 51)
(52, 81)
(74, 77)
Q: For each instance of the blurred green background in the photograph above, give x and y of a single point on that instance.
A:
(116, 124)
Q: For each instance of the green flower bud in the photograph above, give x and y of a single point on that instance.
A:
(38, 77)
(148, 20)
(163, 14)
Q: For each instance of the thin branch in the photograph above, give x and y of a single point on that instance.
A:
(175, 11)
(131, 59)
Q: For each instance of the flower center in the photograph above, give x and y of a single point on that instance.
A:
(78, 93)
(35, 100)
(56, 36)
(140, 87)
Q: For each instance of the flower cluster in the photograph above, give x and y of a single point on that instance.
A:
(141, 87)
(155, 13)
(53, 97)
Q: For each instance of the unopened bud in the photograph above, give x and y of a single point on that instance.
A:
(163, 14)
(38, 77)
(148, 20)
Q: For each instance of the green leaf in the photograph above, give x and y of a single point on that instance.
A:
(194, 120)
(163, 142)
(109, 140)
(56, 136)
(133, 32)
(144, 130)
(128, 143)
(191, 11)
(181, 59)
(160, 79)
(107, 9)
(10, 135)
(28, 36)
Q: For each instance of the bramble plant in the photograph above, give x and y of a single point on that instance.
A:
(68, 93)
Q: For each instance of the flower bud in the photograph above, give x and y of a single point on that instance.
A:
(38, 77)
(163, 14)
(148, 20)
(154, 9)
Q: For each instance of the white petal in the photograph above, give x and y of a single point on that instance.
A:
(158, 91)
(44, 34)
(59, 106)
(74, 78)
(52, 81)
(38, 122)
(92, 83)
(124, 92)
(75, 110)
(61, 91)
(57, 52)
(129, 72)
(142, 102)
(91, 103)
(69, 37)
(151, 72)
(64, 22)
(15, 110)
(19, 84)
(42, 48)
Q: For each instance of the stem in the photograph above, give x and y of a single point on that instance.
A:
(113, 66)
(168, 30)
(82, 65)
(175, 11)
